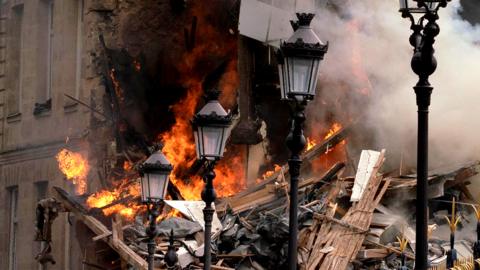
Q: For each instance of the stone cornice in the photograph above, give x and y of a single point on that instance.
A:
(35, 152)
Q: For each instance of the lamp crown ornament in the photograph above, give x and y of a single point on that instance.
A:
(304, 19)
(295, 24)
(304, 41)
(212, 94)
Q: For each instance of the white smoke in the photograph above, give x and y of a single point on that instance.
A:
(382, 39)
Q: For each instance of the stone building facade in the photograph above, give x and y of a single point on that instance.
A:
(42, 58)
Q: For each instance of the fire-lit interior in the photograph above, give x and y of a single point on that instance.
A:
(211, 63)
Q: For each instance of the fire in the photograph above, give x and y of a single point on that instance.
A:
(116, 85)
(333, 129)
(75, 168)
(171, 213)
(125, 189)
(179, 148)
(127, 166)
(333, 154)
(311, 143)
(268, 174)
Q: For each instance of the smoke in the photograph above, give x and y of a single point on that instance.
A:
(380, 38)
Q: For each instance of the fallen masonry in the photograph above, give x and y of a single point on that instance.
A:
(345, 222)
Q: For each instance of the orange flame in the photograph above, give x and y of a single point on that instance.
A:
(105, 197)
(310, 143)
(268, 174)
(333, 154)
(75, 168)
(116, 85)
(333, 129)
(179, 148)
(127, 166)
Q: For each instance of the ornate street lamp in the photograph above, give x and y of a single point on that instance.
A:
(299, 62)
(211, 127)
(154, 174)
(423, 16)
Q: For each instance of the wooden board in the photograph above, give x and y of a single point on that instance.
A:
(99, 229)
(347, 240)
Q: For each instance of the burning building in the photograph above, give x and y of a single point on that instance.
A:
(91, 87)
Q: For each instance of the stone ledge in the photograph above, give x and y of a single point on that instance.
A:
(14, 117)
(70, 107)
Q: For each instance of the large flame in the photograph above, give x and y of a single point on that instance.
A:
(179, 148)
(125, 189)
(75, 168)
(178, 142)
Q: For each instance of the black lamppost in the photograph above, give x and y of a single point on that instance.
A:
(299, 62)
(425, 29)
(211, 129)
(154, 173)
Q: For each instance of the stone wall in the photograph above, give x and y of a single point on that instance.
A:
(29, 142)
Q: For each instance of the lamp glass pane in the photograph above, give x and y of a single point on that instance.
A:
(282, 82)
(300, 72)
(144, 185)
(412, 6)
(225, 135)
(197, 137)
(432, 5)
(155, 186)
(212, 142)
(313, 78)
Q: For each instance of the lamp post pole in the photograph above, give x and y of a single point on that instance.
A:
(154, 181)
(298, 63)
(211, 126)
(296, 143)
(208, 196)
(423, 64)
(152, 210)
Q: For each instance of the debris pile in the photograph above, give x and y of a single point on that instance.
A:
(364, 222)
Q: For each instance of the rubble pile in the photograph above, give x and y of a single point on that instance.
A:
(363, 221)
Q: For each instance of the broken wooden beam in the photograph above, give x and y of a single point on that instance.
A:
(373, 253)
(269, 192)
(98, 228)
(309, 155)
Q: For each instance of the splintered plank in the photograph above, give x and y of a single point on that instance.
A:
(101, 230)
(343, 239)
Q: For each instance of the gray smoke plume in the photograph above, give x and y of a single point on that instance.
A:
(381, 38)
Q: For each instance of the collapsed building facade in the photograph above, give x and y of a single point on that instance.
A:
(113, 80)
